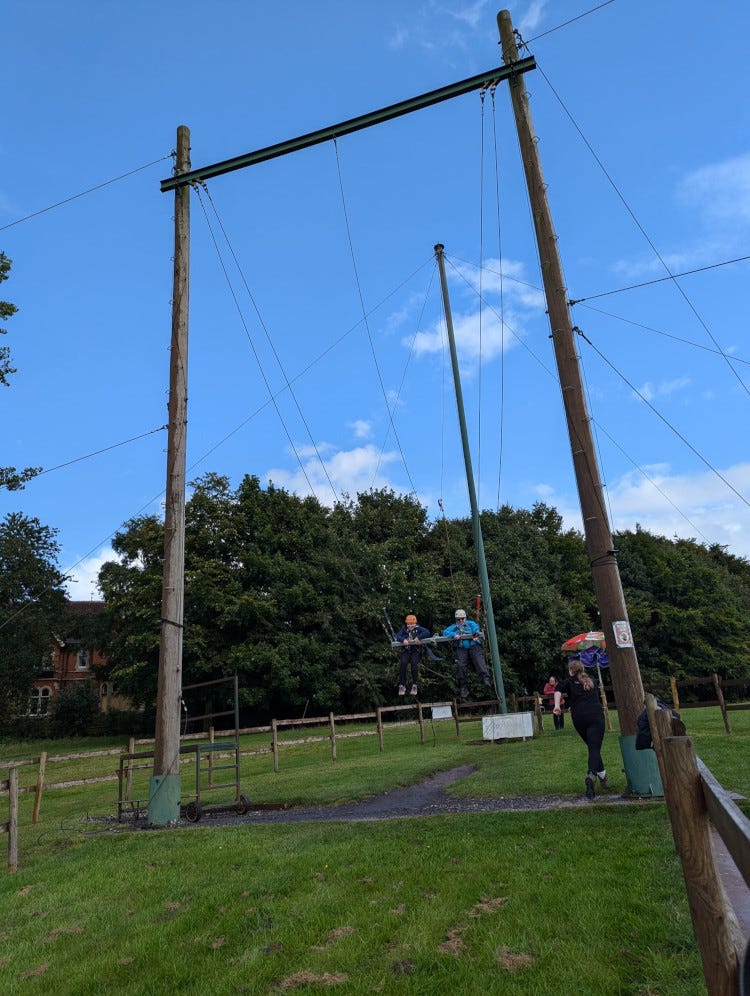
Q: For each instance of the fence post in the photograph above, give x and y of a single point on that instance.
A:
(514, 702)
(660, 725)
(455, 716)
(380, 729)
(332, 724)
(538, 713)
(275, 735)
(713, 919)
(129, 774)
(12, 819)
(39, 786)
(722, 703)
(420, 717)
(211, 736)
(675, 693)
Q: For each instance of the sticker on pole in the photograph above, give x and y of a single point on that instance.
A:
(623, 636)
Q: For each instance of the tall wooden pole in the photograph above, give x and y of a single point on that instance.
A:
(164, 795)
(626, 676)
(475, 521)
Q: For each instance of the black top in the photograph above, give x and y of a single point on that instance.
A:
(580, 699)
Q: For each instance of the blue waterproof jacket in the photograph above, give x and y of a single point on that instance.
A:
(467, 626)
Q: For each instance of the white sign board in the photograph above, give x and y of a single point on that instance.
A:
(512, 725)
(623, 636)
(442, 712)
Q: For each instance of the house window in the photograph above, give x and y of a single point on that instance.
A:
(82, 660)
(39, 701)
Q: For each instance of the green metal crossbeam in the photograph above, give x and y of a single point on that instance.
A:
(488, 78)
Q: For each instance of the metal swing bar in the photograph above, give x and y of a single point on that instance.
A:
(488, 78)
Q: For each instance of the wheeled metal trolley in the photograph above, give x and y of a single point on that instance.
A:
(214, 771)
(216, 766)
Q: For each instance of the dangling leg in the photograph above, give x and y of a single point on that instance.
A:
(461, 660)
(403, 658)
(416, 653)
(480, 665)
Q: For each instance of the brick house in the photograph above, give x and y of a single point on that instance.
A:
(71, 660)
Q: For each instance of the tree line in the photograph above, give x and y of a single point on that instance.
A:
(294, 598)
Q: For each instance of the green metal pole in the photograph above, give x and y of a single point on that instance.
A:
(476, 524)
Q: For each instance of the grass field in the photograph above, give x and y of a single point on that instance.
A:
(586, 900)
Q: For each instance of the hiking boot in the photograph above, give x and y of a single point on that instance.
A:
(402, 689)
(413, 690)
(602, 776)
(590, 790)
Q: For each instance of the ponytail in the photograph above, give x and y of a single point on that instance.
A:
(577, 670)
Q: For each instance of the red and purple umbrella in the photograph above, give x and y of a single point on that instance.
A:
(594, 638)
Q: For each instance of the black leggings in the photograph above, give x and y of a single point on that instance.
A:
(590, 728)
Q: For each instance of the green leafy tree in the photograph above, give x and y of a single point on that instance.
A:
(289, 595)
(689, 606)
(32, 601)
(10, 478)
(75, 709)
(131, 588)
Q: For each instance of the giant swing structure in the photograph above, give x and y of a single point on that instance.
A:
(164, 791)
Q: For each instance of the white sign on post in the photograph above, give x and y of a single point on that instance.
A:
(623, 636)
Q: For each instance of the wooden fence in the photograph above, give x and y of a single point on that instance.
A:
(696, 802)
(135, 761)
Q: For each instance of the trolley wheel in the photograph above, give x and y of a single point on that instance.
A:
(193, 812)
(243, 805)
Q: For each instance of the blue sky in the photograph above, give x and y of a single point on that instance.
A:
(640, 111)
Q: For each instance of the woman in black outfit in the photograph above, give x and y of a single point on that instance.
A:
(582, 693)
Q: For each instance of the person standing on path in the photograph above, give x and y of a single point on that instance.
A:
(409, 636)
(582, 694)
(466, 636)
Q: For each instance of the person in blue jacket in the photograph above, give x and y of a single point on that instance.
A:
(409, 655)
(465, 634)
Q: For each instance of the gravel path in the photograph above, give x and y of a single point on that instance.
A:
(428, 798)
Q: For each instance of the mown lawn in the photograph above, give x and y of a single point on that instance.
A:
(586, 900)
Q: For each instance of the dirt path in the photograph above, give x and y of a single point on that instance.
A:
(428, 798)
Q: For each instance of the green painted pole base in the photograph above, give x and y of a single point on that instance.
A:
(164, 793)
(641, 769)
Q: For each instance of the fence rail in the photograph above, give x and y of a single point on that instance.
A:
(695, 801)
(131, 760)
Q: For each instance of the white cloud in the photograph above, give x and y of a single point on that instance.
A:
(350, 471)
(437, 28)
(721, 191)
(469, 342)
(689, 506)
(82, 576)
(362, 429)
(718, 195)
(472, 15)
(530, 21)
(651, 391)
(520, 299)
(399, 39)
(310, 451)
